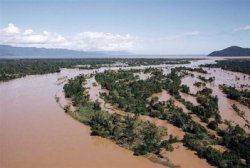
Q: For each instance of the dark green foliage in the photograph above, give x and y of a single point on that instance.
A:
(16, 68)
(10, 69)
(236, 140)
(241, 96)
(214, 157)
(141, 137)
(212, 125)
(127, 92)
(185, 89)
(235, 65)
(232, 92)
(199, 84)
(76, 92)
(205, 79)
(74, 87)
(200, 70)
(96, 106)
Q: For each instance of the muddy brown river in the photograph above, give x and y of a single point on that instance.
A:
(35, 132)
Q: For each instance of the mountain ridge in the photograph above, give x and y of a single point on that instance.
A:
(231, 52)
(13, 51)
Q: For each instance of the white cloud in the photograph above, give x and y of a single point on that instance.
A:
(28, 31)
(11, 29)
(178, 36)
(192, 33)
(81, 41)
(244, 28)
(104, 41)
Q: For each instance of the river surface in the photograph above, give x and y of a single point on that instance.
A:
(35, 132)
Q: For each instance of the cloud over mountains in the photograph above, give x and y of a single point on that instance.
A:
(87, 41)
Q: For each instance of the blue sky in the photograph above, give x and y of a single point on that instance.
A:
(139, 26)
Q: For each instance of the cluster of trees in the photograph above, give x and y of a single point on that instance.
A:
(199, 84)
(131, 95)
(197, 137)
(199, 143)
(129, 131)
(242, 96)
(127, 92)
(155, 61)
(177, 117)
(84, 107)
(238, 111)
(235, 65)
(185, 89)
(210, 79)
(236, 139)
(208, 105)
(15, 68)
(74, 90)
(233, 138)
(200, 70)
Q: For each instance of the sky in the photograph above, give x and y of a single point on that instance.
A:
(138, 26)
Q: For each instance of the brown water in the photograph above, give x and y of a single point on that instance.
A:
(185, 158)
(35, 132)
(165, 96)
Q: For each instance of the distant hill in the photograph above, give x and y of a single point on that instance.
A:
(7, 51)
(232, 51)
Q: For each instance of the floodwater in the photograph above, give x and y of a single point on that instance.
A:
(35, 132)
(165, 96)
(235, 79)
(185, 157)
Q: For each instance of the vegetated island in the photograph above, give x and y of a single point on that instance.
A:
(129, 94)
(232, 51)
(16, 68)
(235, 65)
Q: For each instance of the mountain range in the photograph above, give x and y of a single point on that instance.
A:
(232, 51)
(7, 51)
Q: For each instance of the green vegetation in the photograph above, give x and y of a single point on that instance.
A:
(10, 69)
(16, 68)
(126, 91)
(155, 61)
(235, 65)
(80, 100)
(139, 136)
(199, 84)
(199, 70)
(238, 111)
(185, 89)
(131, 94)
(234, 138)
(210, 79)
(127, 131)
(242, 96)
